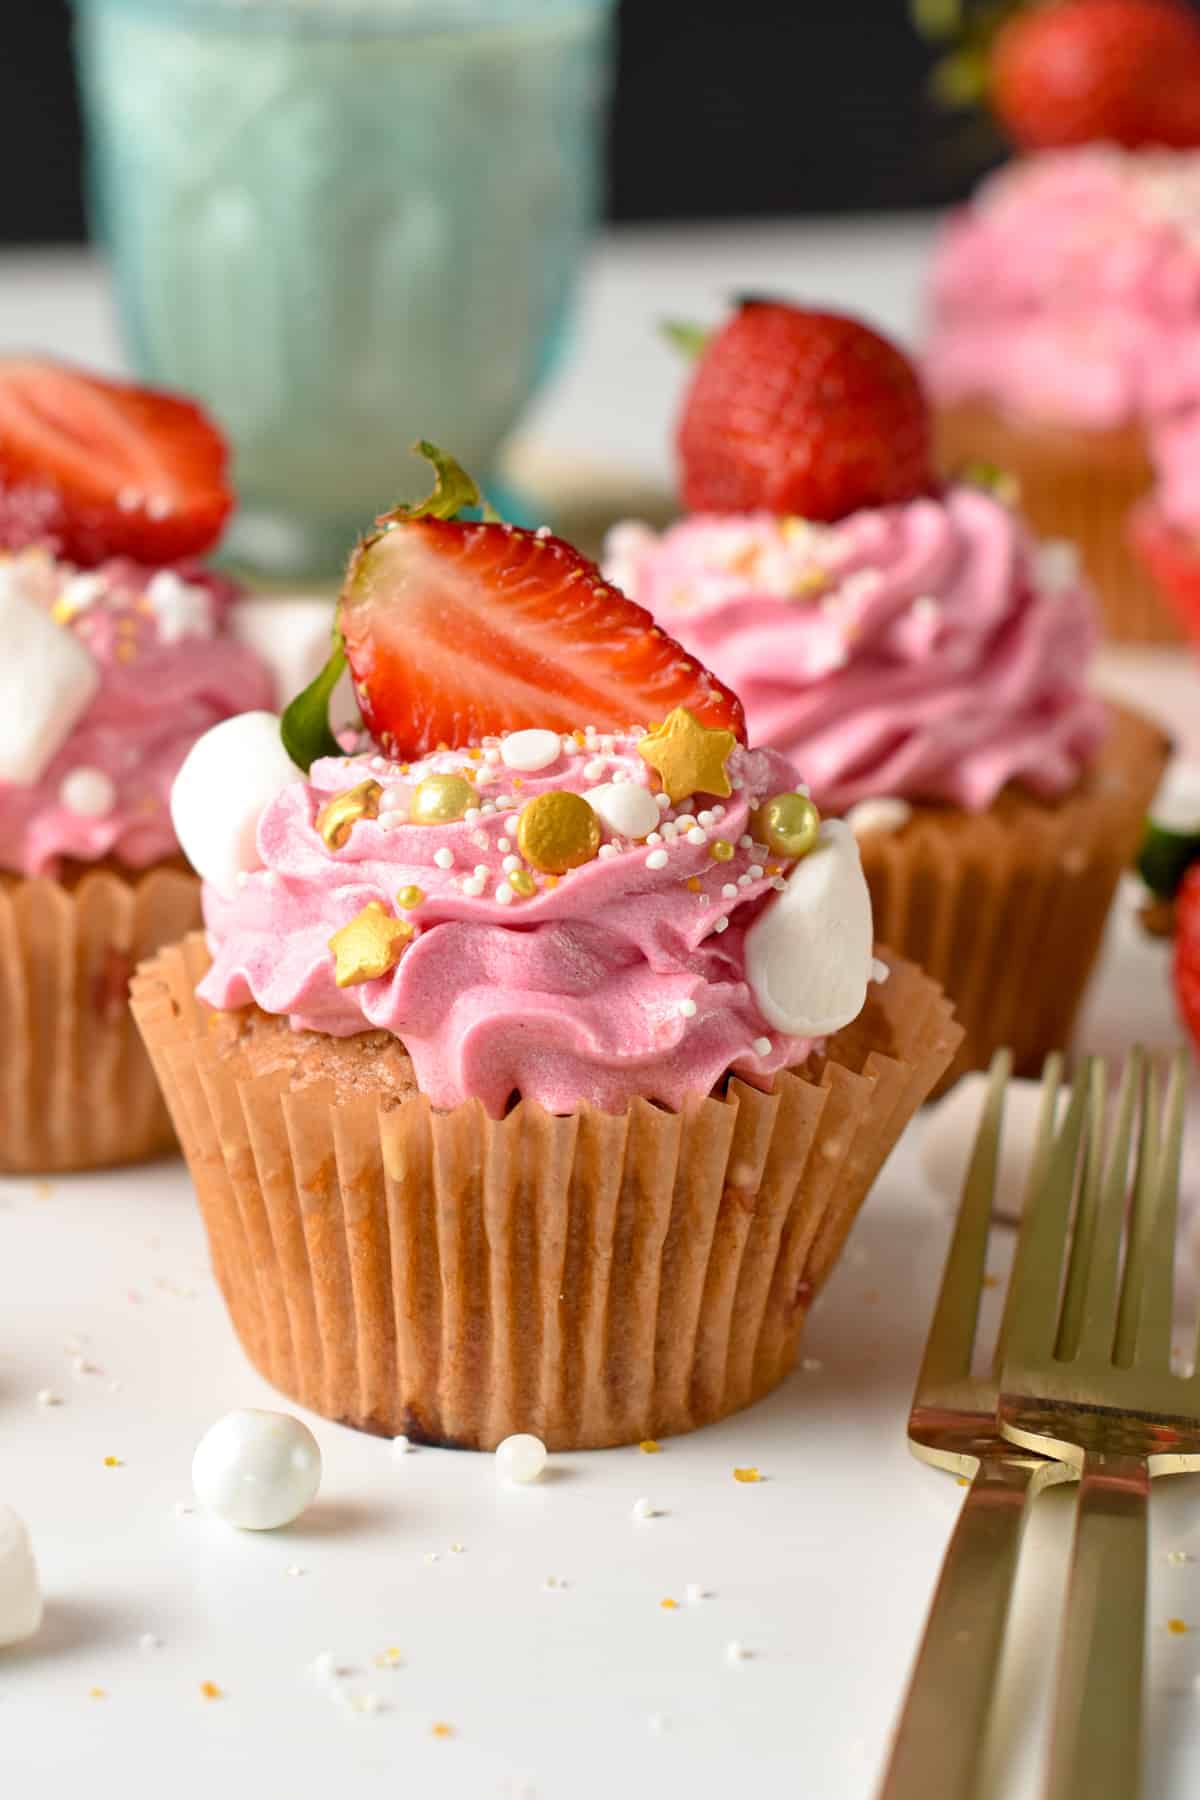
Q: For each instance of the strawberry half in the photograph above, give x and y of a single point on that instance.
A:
(457, 631)
(96, 468)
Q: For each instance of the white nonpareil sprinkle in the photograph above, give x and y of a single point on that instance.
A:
(721, 924)
(509, 864)
(481, 871)
(755, 871)
(491, 758)
(879, 970)
(761, 1046)
(513, 820)
(1178, 1557)
(472, 815)
(324, 1666)
(88, 793)
(47, 1397)
(148, 1641)
(520, 1458)
(663, 802)
(444, 858)
(693, 1593)
(705, 817)
(743, 881)
(400, 1445)
(696, 835)
(504, 845)
(655, 837)
(718, 813)
(729, 891)
(745, 842)
(180, 610)
(607, 851)
(735, 1652)
(474, 887)
(687, 1009)
(778, 883)
(593, 770)
(643, 1509)
(504, 894)
(925, 607)
(294, 1569)
(657, 859)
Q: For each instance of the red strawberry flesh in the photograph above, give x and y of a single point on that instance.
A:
(458, 631)
(97, 468)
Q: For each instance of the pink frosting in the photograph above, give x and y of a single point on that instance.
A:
(168, 672)
(1068, 290)
(928, 651)
(617, 980)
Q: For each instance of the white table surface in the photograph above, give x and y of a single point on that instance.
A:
(555, 1692)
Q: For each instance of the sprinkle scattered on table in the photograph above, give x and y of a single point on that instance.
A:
(113, 1462)
(694, 1593)
(211, 1691)
(96, 1693)
(1178, 1627)
(47, 1397)
(643, 1509)
(389, 1658)
(749, 1474)
(1178, 1557)
(669, 1605)
(649, 1447)
(440, 1729)
(736, 1652)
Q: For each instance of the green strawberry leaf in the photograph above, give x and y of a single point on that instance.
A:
(1165, 858)
(454, 491)
(304, 726)
(691, 340)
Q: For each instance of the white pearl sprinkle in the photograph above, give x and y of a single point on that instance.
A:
(745, 841)
(489, 806)
(687, 1009)
(643, 1508)
(47, 1397)
(491, 757)
(755, 871)
(593, 770)
(619, 776)
(663, 802)
(654, 837)
(761, 1046)
(400, 1445)
(657, 859)
(503, 844)
(778, 883)
(257, 1469)
(705, 817)
(718, 813)
(696, 835)
(606, 852)
(520, 1458)
(504, 894)
(743, 881)
(879, 970)
(729, 891)
(735, 1652)
(670, 831)
(444, 858)
(511, 823)
(88, 793)
(721, 924)
(472, 815)
(510, 863)
(474, 887)
(482, 870)
(693, 1593)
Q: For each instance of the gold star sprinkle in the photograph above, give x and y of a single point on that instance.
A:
(558, 831)
(409, 897)
(338, 817)
(371, 944)
(690, 759)
(750, 1474)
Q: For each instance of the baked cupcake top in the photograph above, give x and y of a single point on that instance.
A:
(929, 651)
(568, 912)
(1068, 290)
(110, 675)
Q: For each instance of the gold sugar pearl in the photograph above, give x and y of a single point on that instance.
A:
(338, 817)
(558, 831)
(788, 824)
(409, 897)
(521, 882)
(721, 850)
(441, 800)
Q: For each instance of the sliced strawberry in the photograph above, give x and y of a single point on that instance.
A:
(1173, 562)
(456, 631)
(97, 468)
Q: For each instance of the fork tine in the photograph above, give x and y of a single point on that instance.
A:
(1158, 1291)
(1070, 1325)
(952, 1334)
(1100, 1300)
(1140, 1230)
(1030, 1324)
(1043, 1143)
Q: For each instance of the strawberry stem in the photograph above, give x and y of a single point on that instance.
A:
(1165, 858)
(304, 727)
(453, 490)
(692, 340)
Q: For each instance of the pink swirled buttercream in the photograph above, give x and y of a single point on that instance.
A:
(168, 672)
(928, 651)
(615, 980)
(1068, 290)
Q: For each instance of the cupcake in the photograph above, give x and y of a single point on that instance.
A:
(111, 672)
(530, 1083)
(924, 662)
(1064, 348)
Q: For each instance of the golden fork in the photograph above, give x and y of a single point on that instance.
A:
(938, 1745)
(1086, 1376)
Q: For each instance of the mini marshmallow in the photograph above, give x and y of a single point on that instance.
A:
(229, 776)
(628, 810)
(949, 1136)
(48, 679)
(809, 952)
(529, 751)
(20, 1589)
(293, 638)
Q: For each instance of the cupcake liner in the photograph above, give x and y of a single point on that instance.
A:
(1081, 485)
(76, 1087)
(1007, 908)
(594, 1279)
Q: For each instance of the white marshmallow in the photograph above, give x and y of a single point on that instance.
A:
(180, 609)
(228, 777)
(293, 638)
(885, 813)
(948, 1137)
(529, 751)
(257, 1470)
(20, 1589)
(809, 952)
(89, 793)
(628, 810)
(48, 680)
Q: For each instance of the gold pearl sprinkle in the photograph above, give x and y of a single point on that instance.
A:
(409, 897)
(371, 944)
(441, 800)
(558, 831)
(787, 824)
(721, 850)
(338, 817)
(521, 882)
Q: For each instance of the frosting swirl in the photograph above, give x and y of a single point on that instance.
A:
(167, 673)
(928, 651)
(620, 977)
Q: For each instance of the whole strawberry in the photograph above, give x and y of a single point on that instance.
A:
(1169, 864)
(1081, 71)
(809, 413)
(1187, 952)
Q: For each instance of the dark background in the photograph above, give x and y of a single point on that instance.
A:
(736, 108)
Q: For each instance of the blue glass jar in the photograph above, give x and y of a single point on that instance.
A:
(344, 224)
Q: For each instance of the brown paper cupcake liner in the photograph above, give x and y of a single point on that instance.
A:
(1007, 908)
(76, 1087)
(1081, 485)
(594, 1279)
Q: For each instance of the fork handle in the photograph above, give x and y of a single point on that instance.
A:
(939, 1741)
(1096, 1748)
